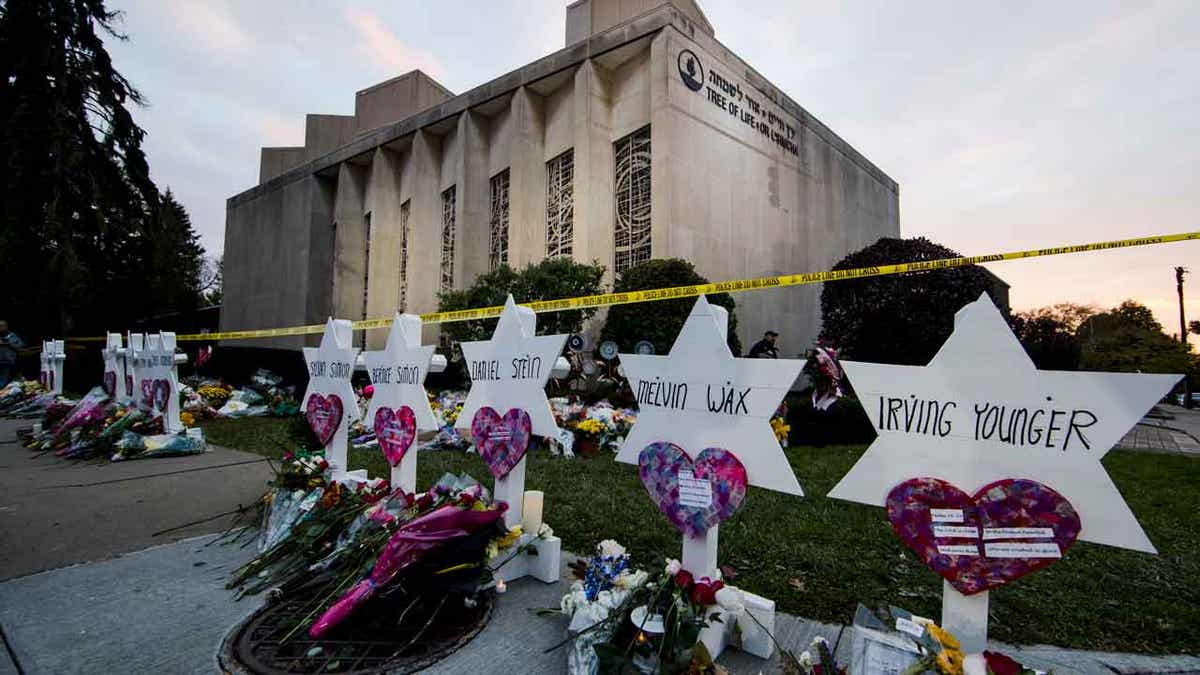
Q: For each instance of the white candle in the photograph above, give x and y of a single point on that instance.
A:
(531, 512)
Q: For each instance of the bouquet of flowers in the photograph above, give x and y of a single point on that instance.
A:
(816, 660)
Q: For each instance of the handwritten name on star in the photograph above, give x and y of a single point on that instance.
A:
(1062, 428)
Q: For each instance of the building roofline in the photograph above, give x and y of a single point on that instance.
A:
(570, 56)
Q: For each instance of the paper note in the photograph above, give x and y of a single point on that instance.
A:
(960, 531)
(693, 492)
(1014, 549)
(946, 515)
(958, 549)
(1018, 533)
(909, 626)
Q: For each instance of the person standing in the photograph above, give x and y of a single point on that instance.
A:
(765, 348)
(9, 344)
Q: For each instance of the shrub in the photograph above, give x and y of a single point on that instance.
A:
(901, 318)
(660, 321)
(550, 279)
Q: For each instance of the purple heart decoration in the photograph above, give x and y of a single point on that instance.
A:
(110, 383)
(501, 441)
(162, 393)
(324, 414)
(1006, 530)
(395, 431)
(694, 496)
(148, 393)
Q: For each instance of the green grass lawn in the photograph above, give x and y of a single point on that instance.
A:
(818, 557)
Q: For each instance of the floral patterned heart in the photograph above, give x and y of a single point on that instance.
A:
(110, 383)
(395, 431)
(501, 441)
(1006, 530)
(148, 393)
(693, 495)
(324, 414)
(162, 393)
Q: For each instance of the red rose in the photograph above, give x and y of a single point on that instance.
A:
(466, 499)
(717, 585)
(424, 501)
(999, 664)
(683, 579)
(704, 594)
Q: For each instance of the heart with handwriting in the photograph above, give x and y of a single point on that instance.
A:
(501, 440)
(694, 495)
(1004, 531)
(395, 431)
(324, 414)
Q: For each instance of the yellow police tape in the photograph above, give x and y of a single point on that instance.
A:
(735, 286)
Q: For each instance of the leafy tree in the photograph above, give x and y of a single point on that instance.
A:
(550, 279)
(902, 318)
(84, 230)
(173, 260)
(1129, 339)
(212, 280)
(1048, 334)
(660, 321)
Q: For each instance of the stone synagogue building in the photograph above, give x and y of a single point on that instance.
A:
(643, 138)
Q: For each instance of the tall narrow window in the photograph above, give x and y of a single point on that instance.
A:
(448, 199)
(631, 236)
(498, 229)
(405, 208)
(366, 271)
(560, 204)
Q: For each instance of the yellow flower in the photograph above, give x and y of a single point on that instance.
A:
(187, 419)
(943, 637)
(950, 662)
(510, 538)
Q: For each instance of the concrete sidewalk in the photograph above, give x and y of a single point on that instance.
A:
(54, 512)
(165, 610)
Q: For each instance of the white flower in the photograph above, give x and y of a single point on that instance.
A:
(629, 580)
(731, 599)
(545, 532)
(673, 567)
(819, 642)
(805, 660)
(610, 549)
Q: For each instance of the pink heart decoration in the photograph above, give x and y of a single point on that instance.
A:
(715, 490)
(501, 441)
(395, 431)
(324, 414)
(129, 385)
(1009, 503)
(162, 392)
(110, 383)
(148, 393)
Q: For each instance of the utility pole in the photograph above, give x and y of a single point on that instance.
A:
(1183, 333)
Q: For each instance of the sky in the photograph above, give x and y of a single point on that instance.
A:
(1007, 125)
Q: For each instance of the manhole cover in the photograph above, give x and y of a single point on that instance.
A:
(399, 634)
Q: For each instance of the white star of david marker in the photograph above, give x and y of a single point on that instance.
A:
(511, 370)
(333, 377)
(398, 372)
(1008, 420)
(699, 396)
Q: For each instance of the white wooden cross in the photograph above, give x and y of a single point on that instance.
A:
(114, 354)
(52, 358)
(136, 363)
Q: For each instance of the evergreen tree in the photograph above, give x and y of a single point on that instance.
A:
(172, 262)
(77, 199)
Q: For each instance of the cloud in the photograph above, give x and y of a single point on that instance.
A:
(211, 23)
(385, 51)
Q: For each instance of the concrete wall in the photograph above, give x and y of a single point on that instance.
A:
(396, 99)
(325, 133)
(277, 161)
(739, 204)
(725, 194)
(277, 246)
(588, 17)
